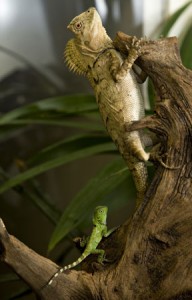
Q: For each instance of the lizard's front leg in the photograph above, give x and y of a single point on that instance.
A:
(84, 241)
(106, 232)
(119, 71)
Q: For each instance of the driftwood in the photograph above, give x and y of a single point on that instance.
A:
(151, 254)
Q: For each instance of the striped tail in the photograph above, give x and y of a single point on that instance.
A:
(74, 264)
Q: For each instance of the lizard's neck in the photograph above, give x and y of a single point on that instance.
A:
(99, 44)
(95, 46)
(95, 39)
(99, 221)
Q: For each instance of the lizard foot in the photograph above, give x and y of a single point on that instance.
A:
(135, 49)
(100, 265)
(136, 44)
(166, 166)
(108, 260)
(97, 266)
(156, 156)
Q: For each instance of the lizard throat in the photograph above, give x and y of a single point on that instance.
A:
(101, 53)
(100, 223)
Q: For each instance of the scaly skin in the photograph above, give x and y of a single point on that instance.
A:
(99, 231)
(92, 54)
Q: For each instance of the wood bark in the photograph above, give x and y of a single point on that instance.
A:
(151, 254)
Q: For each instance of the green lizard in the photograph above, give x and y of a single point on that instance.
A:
(99, 231)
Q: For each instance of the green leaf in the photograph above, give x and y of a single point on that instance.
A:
(186, 48)
(21, 293)
(165, 28)
(66, 105)
(8, 277)
(172, 19)
(37, 197)
(65, 122)
(41, 201)
(68, 146)
(97, 190)
(8, 132)
(57, 161)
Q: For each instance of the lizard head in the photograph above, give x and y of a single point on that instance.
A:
(100, 215)
(88, 28)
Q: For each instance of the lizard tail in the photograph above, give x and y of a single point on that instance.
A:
(136, 157)
(139, 172)
(74, 264)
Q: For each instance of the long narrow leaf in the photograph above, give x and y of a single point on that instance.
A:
(21, 293)
(67, 146)
(172, 19)
(165, 28)
(74, 104)
(65, 122)
(9, 277)
(56, 162)
(37, 197)
(45, 206)
(186, 49)
(97, 190)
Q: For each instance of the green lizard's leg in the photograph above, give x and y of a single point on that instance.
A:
(101, 255)
(84, 240)
(108, 232)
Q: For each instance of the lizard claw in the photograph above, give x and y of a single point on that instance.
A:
(108, 260)
(156, 156)
(135, 45)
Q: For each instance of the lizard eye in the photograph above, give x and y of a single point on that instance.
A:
(78, 25)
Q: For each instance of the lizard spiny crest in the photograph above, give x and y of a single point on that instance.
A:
(74, 61)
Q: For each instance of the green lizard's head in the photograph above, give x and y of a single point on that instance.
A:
(100, 215)
(88, 28)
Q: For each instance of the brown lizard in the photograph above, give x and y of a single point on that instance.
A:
(92, 54)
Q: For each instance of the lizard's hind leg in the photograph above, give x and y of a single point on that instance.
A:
(101, 255)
